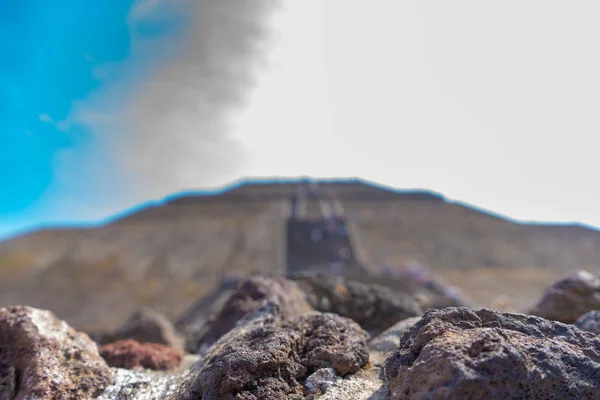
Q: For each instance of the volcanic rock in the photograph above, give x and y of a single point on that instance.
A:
(249, 296)
(570, 298)
(589, 322)
(8, 382)
(458, 353)
(47, 359)
(262, 361)
(331, 341)
(132, 354)
(374, 307)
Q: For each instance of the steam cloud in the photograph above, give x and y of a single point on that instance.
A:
(171, 130)
(179, 125)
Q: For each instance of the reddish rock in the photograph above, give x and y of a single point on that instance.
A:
(41, 357)
(458, 353)
(570, 298)
(132, 354)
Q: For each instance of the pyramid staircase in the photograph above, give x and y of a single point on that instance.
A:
(319, 235)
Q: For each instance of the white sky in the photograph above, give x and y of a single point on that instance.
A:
(495, 103)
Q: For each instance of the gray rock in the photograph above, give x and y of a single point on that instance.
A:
(49, 357)
(331, 341)
(458, 353)
(266, 315)
(389, 340)
(148, 326)
(589, 322)
(320, 380)
(374, 307)
(264, 360)
(8, 382)
(248, 297)
(570, 298)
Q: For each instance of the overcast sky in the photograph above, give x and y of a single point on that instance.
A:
(491, 103)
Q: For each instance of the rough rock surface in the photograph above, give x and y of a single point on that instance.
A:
(570, 298)
(148, 326)
(331, 341)
(458, 353)
(320, 380)
(589, 322)
(131, 354)
(50, 359)
(248, 296)
(8, 382)
(267, 314)
(364, 385)
(259, 360)
(373, 307)
(143, 385)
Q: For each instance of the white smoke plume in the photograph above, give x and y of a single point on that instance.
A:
(181, 119)
(169, 127)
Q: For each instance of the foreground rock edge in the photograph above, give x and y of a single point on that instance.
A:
(447, 342)
(262, 359)
(458, 353)
(49, 357)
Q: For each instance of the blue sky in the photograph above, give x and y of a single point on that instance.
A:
(81, 138)
(52, 53)
(106, 105)
(49, 52)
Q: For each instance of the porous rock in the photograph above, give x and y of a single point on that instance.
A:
(50, 359)
(331, 341)
(148, 326)
(570, 298)
(131, 354)
(249, 296)
(458, 353)
(267, 361)
(373, 307)
(589, 322)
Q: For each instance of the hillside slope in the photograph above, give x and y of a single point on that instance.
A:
(168, 255)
